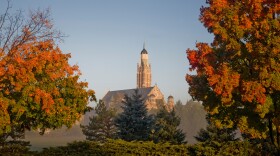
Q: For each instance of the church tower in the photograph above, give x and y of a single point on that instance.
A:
(144, 75)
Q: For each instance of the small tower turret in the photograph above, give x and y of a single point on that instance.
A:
(170, 102)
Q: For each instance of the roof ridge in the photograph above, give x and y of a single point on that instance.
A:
(132, 89)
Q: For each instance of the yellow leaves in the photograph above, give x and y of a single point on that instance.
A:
(91, 94)
(244, 127)
(263, 109)
(4, 116)
(214, 111)
(218, 124)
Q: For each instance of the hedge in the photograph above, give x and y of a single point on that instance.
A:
(116, 147)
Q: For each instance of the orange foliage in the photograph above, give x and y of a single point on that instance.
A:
(253, 91)
(238, 74)
(222, 79)
(37, 84)
(37, 71)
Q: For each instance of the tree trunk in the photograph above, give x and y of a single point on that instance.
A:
(274, 142)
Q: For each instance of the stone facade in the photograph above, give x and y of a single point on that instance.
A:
(144, 75)
(151, 96)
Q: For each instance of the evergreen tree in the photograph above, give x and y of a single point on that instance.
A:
(212, 133)
(166, 128)
(134, 123)
(179, 103)
(216, 138)
(101, 126)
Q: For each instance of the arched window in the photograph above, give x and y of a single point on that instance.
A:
(152, 98)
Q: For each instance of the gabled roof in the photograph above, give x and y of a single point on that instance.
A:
(144, 51)
(118, 95)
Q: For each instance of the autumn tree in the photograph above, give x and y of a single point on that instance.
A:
(39, 89)
(134, 123)
(101, 125)
(238, 75)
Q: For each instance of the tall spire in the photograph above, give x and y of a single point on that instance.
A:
(144, 74)
(144, 51)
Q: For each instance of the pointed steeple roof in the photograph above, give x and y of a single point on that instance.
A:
(144, 51)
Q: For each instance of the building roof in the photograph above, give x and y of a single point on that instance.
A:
(170, 96)
(119, 94)
(144, 51)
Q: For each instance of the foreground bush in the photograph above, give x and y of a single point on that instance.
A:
(15, 149)
(231, 148)
(116, 147)
(120, 147)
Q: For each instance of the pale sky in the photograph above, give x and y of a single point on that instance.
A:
(105, 38)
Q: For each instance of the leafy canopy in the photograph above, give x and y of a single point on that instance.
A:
(39, 89)
(238, 75)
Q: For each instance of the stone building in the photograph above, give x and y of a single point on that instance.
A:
(151, 95)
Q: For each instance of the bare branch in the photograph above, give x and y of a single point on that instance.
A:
(3, 17)
(16, 30)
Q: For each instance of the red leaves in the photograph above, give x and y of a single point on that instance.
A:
(39, 89)
(238, 77)
(244, 30)
(193, 59)
(44, 98)
(252, 90)
(223, 82)
(220, 76)
(37, 63)
(200, 58)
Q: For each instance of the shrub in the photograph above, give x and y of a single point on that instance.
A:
(116, 147)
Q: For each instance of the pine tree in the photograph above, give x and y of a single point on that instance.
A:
(213, 138)
(212, 133)
(101, 126)
(134, 123)
(166, 128)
